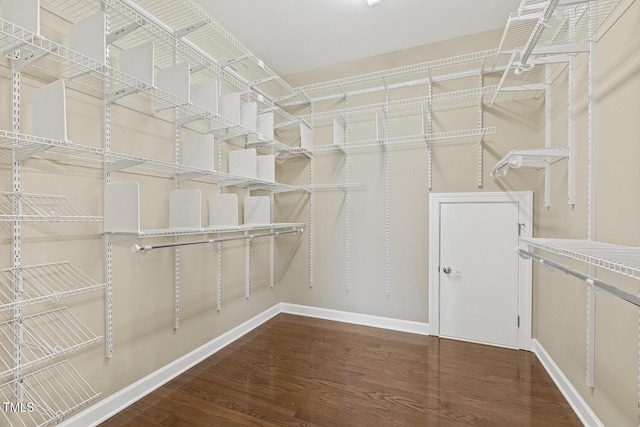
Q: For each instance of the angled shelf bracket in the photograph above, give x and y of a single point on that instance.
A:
(232, 61)
(124, 31)
(254, 83)
(29, 150)
(196, 68)
(122, 164)
(121, 93)
(191, 28)
(33, 57)
(232, 182)
(186, 120)
(185, 176)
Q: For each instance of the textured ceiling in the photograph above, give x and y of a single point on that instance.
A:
(298, 35)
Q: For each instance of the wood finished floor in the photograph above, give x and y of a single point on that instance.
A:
(309, 372)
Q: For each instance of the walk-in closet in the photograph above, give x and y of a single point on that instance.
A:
(322, 212)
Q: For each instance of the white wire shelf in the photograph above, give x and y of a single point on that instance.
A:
(177, 232)
(121, 162)
(56, 61)
(410, 106)
(624, 260)
(42, 208)
(535, 158)
(45, 397)
(43, 282)
(412, 141)
(123, 14)
(44, 336)
(116, 161)
(556, 30)
(461, 66)
(195, 40)
(228, 180)
(214, 39)
(537, 34)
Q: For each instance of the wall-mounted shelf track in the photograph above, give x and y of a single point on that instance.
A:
(394, 121)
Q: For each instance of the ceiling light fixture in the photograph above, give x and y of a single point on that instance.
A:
(373, 3)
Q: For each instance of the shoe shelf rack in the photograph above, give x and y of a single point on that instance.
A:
(51, 394)
(44, 283)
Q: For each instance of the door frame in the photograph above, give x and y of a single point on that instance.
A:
(525, 213)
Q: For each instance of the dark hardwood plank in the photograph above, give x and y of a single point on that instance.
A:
(303, 371)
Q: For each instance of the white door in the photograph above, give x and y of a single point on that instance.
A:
(479, 272)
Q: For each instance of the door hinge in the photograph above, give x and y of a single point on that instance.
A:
(518, 321)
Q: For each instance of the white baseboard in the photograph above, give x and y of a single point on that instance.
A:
(118, 401)
(115, 403)
(577, 403)
(357, 319)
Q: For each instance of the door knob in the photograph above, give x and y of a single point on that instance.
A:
(446, 270)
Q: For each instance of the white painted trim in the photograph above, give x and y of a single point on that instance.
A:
(357, 319)
(575, 400)
(118, 401)
(525, 213)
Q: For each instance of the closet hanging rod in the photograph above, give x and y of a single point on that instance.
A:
(146, 248)
(596, 283)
